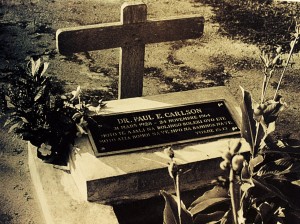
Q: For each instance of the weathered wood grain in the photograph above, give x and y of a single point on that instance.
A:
(131, 66)
(131, 34)
(113, 35)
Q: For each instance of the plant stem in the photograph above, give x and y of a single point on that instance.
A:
(233, 194)
(178, 197)
(80, 106)
(263, 89)
(267, 83)
(262, 99)
(285, 67)
(255, 140)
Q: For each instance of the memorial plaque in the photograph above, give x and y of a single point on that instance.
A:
(122, 132)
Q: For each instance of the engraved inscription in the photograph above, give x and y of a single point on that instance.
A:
(161, 126)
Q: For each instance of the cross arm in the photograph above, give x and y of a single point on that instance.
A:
(113, 35)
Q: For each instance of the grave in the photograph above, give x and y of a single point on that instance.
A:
(118, 177)
(122, 160)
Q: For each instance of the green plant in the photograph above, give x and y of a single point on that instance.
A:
(263, 188)
(35, 113)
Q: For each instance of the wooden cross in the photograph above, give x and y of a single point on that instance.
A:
(131, 34)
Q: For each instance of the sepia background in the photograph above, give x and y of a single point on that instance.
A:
(227, 54)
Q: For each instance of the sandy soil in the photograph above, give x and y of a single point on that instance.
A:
(28, 28)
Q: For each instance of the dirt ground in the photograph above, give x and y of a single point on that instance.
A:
(27, 28)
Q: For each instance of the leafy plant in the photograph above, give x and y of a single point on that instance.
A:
(261, 189)
(35, 113)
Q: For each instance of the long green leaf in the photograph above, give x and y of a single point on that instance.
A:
(296, 182)
(214, 217)
(292, 177)
(171, 212)
(12, 120)
(271, 188)
(292, 143)
(216, 192)
(15, 126)
(248, 129)
(261, 134)
(45, 67)
(291, 192)
(277, 167)
(206, 204)
(291, 151)
(41, 92)
(255, 162)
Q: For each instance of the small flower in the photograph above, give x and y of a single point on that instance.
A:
(45, 149)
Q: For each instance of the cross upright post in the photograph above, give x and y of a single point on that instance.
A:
(131, 67)
(131, 34)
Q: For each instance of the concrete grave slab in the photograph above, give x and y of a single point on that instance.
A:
(59, 197)
(140, 175)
